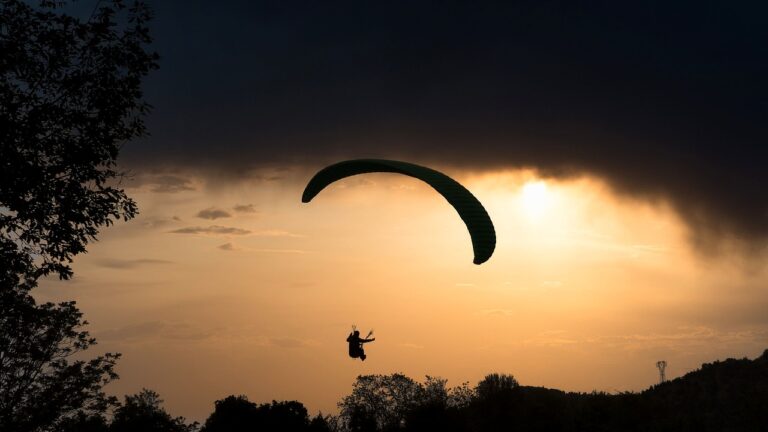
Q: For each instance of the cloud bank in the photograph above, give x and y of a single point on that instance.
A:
(665, 101)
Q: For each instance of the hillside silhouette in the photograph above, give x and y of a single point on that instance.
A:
(730, 395)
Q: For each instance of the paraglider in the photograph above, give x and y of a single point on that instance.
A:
(356, 343)
(469, 208)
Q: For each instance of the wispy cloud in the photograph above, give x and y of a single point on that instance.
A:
(124, 264)
(686, 336)
(682, 338)
(154, 330)
(158, 222)
(213, 213)
(411, 345)
(552, 338)
(229, 246)
(289, 342)
(275, 233)
(286, 251)
(211, 230)
(164, 183)
(232, 247)
(266, 177)
(245, 208)
(269, 342)
(354, 182)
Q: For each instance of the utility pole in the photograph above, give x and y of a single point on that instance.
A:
(661, 365)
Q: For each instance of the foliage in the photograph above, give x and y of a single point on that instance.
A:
(391, 402)
(723, 396)
(83, 422)
(383, 400)
(495, 384)
(237, 413)
(143, 412)
(70, 96)
(234, 413)
(40, 387)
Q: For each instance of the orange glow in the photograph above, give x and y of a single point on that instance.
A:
(580, 280)
(535, 199)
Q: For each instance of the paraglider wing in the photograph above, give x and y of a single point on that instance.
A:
(469, 208)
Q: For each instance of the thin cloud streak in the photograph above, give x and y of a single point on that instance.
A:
(211, 230)
(276, 233)
(231, 247)
(123, 264)
(245, 208)
(213, 213)
(163, 183)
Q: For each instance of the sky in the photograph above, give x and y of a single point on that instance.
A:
(619, 150)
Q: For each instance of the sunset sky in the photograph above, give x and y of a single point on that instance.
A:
(619, 150)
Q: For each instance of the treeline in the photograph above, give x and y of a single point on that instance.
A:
(731, 395)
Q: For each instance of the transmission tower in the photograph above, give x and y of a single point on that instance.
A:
(661, 365)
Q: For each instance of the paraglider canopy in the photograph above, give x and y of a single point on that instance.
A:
(469, 208)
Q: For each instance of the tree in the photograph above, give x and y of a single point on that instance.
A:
(70, 96)
(321, 423)
(383, 400)
(237, 413)
(83, 422)
(231, 414)
(40, 388)
(143, 412)
(494, 385)
(284, 416)
(389, 402)
(440, 408)
(397, 402)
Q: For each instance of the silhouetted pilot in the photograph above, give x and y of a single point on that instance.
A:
(356, 345)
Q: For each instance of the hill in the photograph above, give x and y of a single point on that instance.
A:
(730, 395)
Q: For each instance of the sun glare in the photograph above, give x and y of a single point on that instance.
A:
(535, 198)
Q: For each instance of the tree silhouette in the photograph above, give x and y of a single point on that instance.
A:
(233, 413)
(70, 95)
(381, 399)
(495, 384)
(82, 422)
(39, 386)
(321, 423)
(395, 402)
(143, 412)
(238, 414)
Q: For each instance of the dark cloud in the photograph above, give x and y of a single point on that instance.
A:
(124, 264)
(211, 230)
(213, 213)
(245, 208)
(665, 100)
(228, 247)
